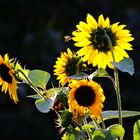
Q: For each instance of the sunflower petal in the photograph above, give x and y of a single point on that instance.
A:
(91, 21)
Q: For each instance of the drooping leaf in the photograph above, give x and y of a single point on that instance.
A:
(79, 76)
(113, 114)
(125, 65)
(39, 78)
(45, 105)
(136, 130)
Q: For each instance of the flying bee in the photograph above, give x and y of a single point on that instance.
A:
(67, 38)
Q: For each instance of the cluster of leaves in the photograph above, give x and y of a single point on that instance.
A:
(46, 99)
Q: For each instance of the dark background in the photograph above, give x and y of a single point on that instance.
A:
(33, 32)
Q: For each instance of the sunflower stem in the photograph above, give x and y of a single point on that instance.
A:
(96, 123)
(118, 94)
(117, 87)
(31, 84)
(88, 130)
(102, 121)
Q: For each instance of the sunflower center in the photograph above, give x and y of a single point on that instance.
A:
(85, 96)
(100, 41)
(4, 73)
(74, 66)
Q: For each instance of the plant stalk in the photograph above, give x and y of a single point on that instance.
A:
(117, 87)
(31, 84)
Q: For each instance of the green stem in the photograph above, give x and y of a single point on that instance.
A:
(96, 123)
(88, 130)
(117, 88)
(31, 84)
(102, 121)
(118, 95)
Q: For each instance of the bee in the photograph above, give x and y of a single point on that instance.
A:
(67, 38)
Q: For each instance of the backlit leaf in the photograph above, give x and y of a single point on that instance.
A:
(125, 65)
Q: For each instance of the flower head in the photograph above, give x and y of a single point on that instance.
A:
(68, 64)
(93, 38)
(85, 95)
(7, 78)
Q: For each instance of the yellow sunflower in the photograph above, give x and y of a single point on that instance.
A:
(68, 64)
(93, 36)
(7, 78)
(85, 95)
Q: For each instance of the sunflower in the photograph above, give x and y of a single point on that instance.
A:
(68, 64)
(94, 38)
(7, 78)
(85, 96)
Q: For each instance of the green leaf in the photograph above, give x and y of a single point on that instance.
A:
(87, 126)
(45, 105)
(125, 65)
(98, 73)
(39, 78)
(79, 76)
(136, 130)
(111, 133)
(98, 134)
(116, 131)
(52, 92)
(35, 96)
(114, 114)
(73, 135)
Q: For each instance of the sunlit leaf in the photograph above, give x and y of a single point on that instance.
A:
(111, 114)
(98, 134)
(53, 91)
(111, 133)
(136, 130)
(45, 105)
(39, 78)
(35, 96)
(125, 65)
(73, 135)
(87, 126)
(115, 131)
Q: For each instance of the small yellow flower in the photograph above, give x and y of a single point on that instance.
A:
(7, 78)
(68, 64)
(85, 95)
(91, 37)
